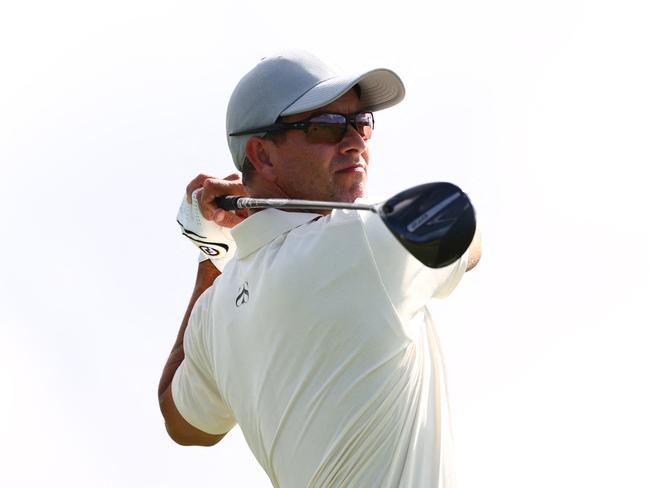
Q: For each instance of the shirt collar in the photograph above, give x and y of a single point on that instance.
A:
(262, 227)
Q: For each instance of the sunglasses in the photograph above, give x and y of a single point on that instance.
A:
(323, 127)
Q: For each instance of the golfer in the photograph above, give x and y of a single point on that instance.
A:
(315, 337)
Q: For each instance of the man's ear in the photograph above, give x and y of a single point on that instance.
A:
(257, 152)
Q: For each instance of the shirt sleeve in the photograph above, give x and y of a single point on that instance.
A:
(409, 283)
(194, 388)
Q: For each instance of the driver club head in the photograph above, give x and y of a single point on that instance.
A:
(435, 222)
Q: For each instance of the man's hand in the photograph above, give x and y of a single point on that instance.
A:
(210, 188)
(475, 250)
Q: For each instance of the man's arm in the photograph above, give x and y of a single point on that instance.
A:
(178, 428)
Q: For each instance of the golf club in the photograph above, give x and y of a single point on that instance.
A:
(435, 222)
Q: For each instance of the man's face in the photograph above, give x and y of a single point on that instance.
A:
(323, 171)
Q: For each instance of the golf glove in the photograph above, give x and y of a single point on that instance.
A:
(214, 241)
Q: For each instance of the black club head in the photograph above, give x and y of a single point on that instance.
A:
(435, 222)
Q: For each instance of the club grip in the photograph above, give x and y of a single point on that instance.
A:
(227, 202)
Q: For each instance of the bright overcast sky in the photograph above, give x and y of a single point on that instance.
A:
(539, 110)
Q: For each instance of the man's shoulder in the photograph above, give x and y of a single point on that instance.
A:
(338, 229)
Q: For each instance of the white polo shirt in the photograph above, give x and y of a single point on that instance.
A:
(317, 342)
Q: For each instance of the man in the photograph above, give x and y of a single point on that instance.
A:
(315, 339)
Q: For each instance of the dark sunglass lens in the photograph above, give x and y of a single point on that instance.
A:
(326, 128)
(364, 123)
(329, 133)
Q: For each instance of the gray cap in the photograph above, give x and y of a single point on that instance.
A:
(297, 81)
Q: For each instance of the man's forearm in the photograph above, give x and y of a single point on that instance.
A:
(205, 276)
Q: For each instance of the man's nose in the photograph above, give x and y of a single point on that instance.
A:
(353, 140)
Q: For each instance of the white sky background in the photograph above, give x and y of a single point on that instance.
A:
(539, 110)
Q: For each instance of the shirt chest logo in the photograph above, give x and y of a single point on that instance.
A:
(242, 295)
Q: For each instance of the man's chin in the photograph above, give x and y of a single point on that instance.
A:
(352, 194)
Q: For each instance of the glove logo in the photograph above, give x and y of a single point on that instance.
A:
(210, 251)
(242, 295)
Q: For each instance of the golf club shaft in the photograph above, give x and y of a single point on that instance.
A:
(236, 203)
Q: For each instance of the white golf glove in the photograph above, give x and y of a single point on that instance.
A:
(214, 241)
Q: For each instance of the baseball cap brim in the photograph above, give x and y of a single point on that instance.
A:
(380, 88)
